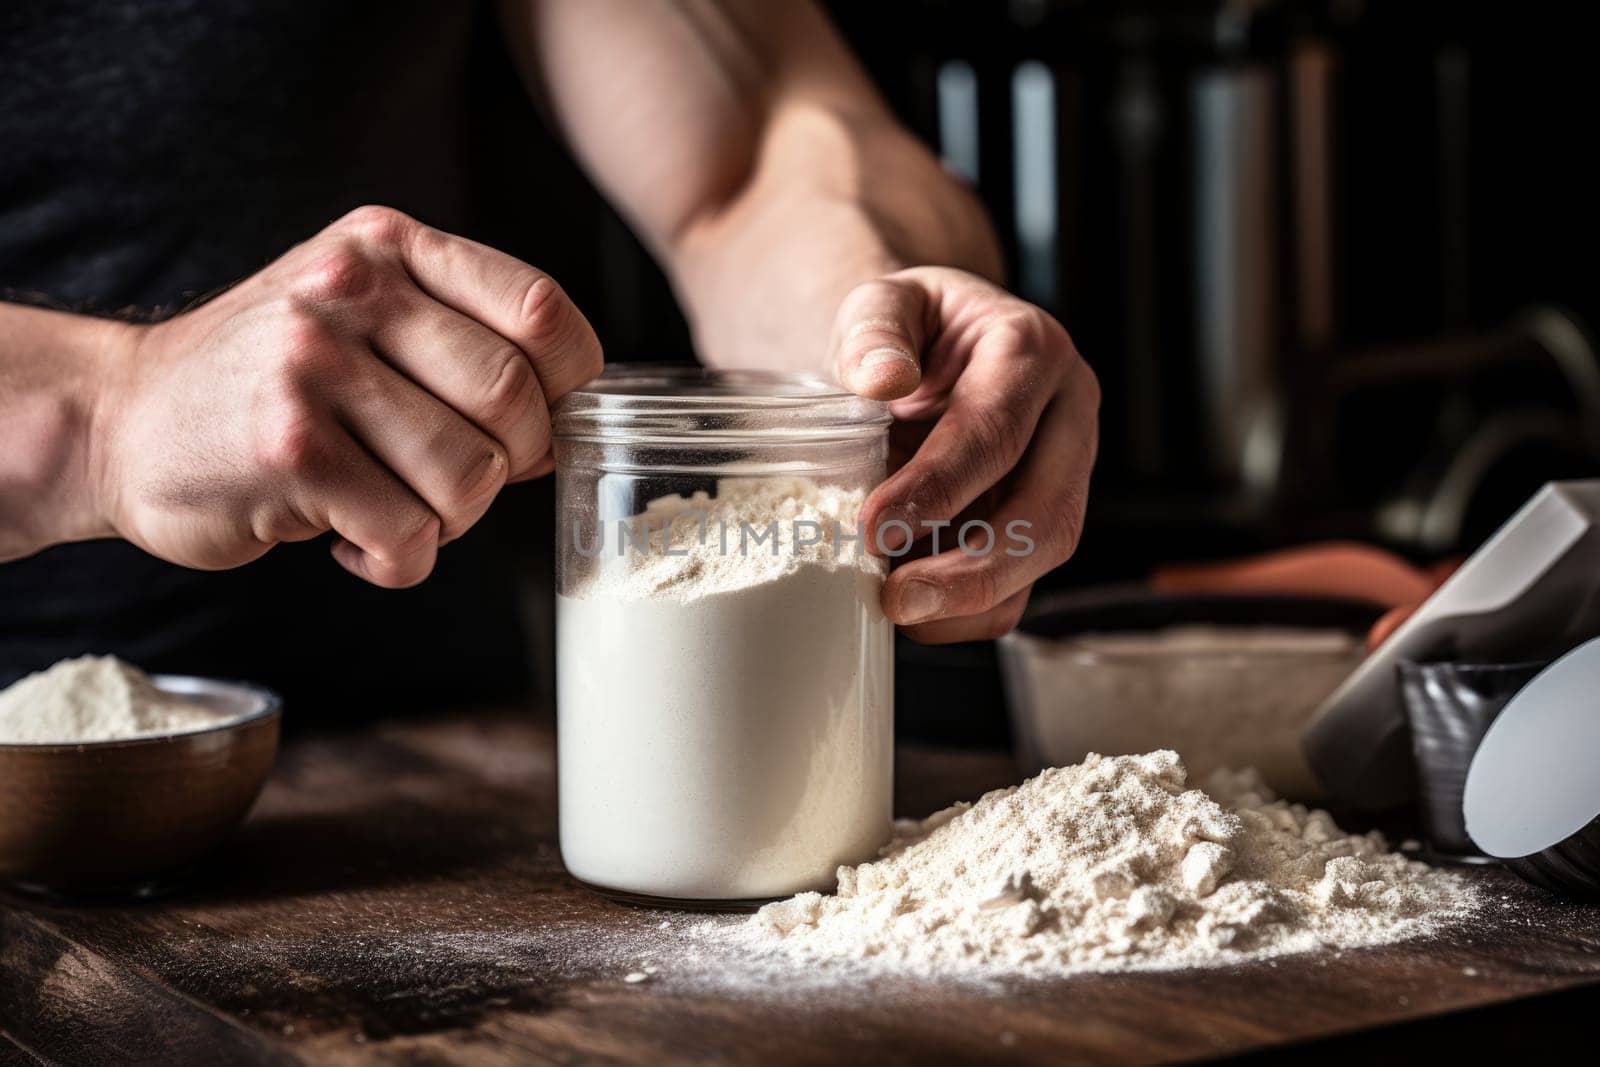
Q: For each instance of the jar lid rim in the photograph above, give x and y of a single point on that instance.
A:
(646, 398)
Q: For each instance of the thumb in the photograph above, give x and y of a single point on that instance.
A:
(878, 338)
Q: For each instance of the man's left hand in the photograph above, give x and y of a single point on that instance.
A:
(996, 419)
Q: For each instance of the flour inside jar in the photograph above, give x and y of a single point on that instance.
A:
(725, 696)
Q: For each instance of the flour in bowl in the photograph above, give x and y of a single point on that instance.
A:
(1114, 863)
(93, 698)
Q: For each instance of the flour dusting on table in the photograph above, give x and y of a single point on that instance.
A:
(1110, 864)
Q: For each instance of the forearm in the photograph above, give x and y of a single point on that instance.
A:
(52, 368)
(832, 200)
(753, 155)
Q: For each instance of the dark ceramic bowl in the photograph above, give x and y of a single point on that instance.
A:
(112, 818)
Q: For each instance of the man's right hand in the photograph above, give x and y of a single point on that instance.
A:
(383, 380)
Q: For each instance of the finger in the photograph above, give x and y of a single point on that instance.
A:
(878, 337)
(993, 414)
(516, 301)
(481, 375)
(384, 573)
(389, 536)
(996, 622)
(454, 467)
(1035, 528)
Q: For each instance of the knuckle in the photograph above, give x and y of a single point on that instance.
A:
(1021, 327)
(1045, 328)
(1030, 331)
(302, 331)
(982, 589)
(871, 327)
(884, 300)
(872, 291)
(1003, 620)
(308, 351)
(974, 594)
(289, 442)
(377, 224)
(414, 537)
(545, 312)
(511, 388)
(937, 494)
(338, 274)
(278, 523)
(997, 439)
(871, 331)
(1087, 383)
(1063, 525)
(402, 574)
(870, 338)
(1059, 346)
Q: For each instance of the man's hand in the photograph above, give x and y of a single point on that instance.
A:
(995, 419)
(383, 380)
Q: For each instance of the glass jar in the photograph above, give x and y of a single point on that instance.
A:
(724, 678)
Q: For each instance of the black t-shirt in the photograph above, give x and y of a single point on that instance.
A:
(154, 152)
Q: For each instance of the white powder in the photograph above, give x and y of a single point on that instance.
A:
(93, 698)
(1109, 864)
(725, 717)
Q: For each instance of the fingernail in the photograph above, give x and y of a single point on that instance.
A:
(919, 601)
(883, 357)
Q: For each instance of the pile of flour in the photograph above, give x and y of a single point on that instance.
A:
(724, 710)
(93, 698)
(1110, 864)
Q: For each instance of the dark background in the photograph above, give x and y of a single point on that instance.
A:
(1388, 206)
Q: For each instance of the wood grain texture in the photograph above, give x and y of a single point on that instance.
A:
(398, 896)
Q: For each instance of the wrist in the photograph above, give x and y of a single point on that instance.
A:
(58, 370)
(763, 295)
(107, 359)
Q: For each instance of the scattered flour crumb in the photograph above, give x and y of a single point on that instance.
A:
(93, 698)
(1111, 864)
(635, 977)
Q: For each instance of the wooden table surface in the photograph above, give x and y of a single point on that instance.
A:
(397, 896)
